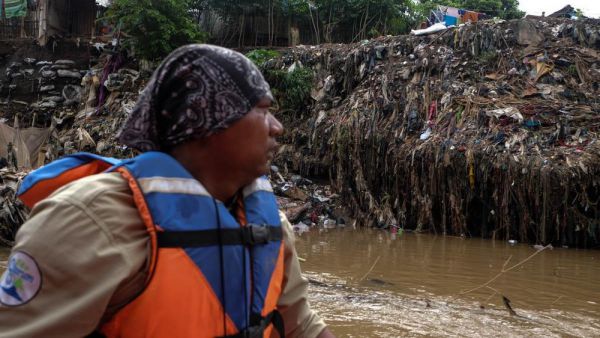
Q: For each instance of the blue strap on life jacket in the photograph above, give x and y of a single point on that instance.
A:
(42, 182)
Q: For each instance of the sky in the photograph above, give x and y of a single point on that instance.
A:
(590, 8)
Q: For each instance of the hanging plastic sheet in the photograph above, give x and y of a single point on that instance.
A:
(450, 20)
(470, 17)
(27, 142)
(452, 11)
(13, 8)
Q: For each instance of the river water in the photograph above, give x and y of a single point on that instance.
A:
(418, 286)
(369, 283)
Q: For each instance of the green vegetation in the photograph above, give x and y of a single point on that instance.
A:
(262, 22)
(572, 69)
(295, 87)
(488, 57)
(342, 20)
(154, 28)
(290, 88)
(260, 56)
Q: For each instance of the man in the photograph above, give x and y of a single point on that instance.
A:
(184, 240)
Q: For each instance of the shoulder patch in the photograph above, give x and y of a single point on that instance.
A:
(21, 281)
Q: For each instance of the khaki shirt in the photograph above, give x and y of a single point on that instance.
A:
(92, 251)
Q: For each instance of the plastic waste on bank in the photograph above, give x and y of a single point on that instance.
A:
(438, 27)
(511, 112)
(301, 227)
(426, 134)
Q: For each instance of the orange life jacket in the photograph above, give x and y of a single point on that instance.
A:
(211, 274)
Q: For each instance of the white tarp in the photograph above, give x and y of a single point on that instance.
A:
(27, 143)
(438, 27)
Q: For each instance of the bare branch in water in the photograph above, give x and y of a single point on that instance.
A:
(504, 270)
(371, 269)
(556, 300)
(493, 294)
(506, 263)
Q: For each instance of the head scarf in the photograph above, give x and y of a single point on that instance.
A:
(197, 91)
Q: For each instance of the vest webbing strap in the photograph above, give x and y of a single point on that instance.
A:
(260, 324)
(255, 331)
(249, 235)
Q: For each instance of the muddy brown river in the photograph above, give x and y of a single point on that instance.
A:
(417, 286)
(369, 283)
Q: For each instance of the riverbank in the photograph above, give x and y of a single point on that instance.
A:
(486, 130)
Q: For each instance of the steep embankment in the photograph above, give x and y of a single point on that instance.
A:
(484, 130)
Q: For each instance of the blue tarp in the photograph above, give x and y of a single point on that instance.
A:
(450, 20)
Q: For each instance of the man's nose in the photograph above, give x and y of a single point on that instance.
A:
(275, 127)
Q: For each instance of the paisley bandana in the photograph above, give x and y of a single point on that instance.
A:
(197, 91)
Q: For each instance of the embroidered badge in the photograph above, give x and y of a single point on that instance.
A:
(21, 281)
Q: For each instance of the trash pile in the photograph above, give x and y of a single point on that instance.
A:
(82, 106)
(85, 110)
(12, 212)
(94, 125)
(31, 86)
(487, 129)
(79, 109)
(307, 203)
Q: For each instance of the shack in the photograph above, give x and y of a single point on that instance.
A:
(44, 19)
(452, 16)
(567, 12)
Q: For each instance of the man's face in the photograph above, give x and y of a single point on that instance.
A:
(248, 146)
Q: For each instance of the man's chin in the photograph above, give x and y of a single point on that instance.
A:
(261, 171)
(266, 169)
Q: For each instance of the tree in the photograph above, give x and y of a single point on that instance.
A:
(346, 21)
(511, 10)
(504, 9)
(258, 22)
(154, 28)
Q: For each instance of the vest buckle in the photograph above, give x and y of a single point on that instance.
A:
(258, 324)
(254, 234)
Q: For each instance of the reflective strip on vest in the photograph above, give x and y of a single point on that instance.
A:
(188, 186)
(260, 184)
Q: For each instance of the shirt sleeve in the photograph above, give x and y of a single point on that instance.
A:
(81, 264)
(299, 319)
